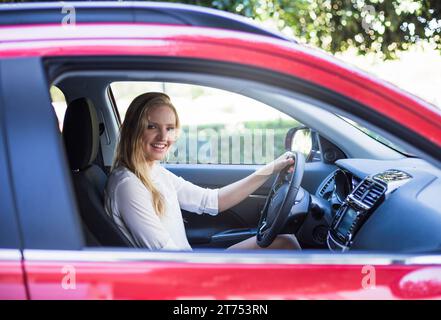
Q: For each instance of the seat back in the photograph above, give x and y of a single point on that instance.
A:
(81, 139)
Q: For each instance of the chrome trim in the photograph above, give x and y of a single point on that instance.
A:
(232, 235)
(233, 257)
(335, 243)
(262, 227)
(10, 255)
(351, 198)
(426, 259)
(328, 178)
(258, 196)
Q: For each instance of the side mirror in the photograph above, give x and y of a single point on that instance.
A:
(300, 139)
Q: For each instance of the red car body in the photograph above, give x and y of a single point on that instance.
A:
(220, 45)
(39, 274)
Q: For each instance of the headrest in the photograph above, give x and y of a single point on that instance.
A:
(81, 133)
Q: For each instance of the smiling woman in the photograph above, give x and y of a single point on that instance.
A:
(145, 199)
(145, 138)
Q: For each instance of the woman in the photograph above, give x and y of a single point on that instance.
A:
(145, 199)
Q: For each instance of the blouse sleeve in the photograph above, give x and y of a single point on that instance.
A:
(194, 198)
(136, 208)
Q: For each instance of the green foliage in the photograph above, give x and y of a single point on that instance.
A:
(232, 145)
(380, 26)
(383, 27)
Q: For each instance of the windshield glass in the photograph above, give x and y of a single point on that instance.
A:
(376, 136)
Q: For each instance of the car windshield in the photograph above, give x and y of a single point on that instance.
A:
(377, 137)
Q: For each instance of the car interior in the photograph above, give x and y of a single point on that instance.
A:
(356, 190)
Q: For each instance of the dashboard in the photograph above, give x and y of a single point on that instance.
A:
(383, 205)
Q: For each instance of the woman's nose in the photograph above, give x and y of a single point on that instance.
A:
(163, 134)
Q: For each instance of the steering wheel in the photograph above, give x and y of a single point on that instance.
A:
(280, 201)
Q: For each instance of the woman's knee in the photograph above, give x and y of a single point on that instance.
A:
(286, 241)
(247, 244)
(282, 241)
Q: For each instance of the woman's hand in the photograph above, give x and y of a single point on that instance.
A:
(286, 159)
(278, 165)
(234, 193)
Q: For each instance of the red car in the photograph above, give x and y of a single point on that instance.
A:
(364, 200)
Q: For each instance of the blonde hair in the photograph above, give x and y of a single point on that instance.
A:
(129, 152)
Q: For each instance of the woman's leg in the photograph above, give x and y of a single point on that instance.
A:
(282, 241)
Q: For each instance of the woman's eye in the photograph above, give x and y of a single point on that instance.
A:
(171, 129)
(151, 126)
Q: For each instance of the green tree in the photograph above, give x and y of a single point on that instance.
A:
(381, 26)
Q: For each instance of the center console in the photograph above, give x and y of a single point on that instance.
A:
(359, 205)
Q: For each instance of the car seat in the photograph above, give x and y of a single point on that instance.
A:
(81, 139)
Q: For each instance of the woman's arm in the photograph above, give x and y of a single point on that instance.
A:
(234, 193)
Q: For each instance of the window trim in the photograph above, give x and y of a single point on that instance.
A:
(113, 104)
(252, 257)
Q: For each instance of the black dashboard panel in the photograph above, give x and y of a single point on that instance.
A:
(343, 185)
(406, 217)
(403, 222)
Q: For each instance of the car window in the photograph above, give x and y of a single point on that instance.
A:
(59, 103)
(218, 127)
(376, 136)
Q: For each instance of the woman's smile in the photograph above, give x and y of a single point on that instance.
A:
(159, 147)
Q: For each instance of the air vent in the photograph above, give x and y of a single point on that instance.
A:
(326, 186)
(361, 190)
(374, 193)
(369, 192)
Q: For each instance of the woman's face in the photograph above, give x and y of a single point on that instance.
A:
(160, 133)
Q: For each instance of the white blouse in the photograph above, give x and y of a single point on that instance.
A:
(130, 205)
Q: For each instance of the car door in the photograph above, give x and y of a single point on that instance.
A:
(12, 278)
(58, 265)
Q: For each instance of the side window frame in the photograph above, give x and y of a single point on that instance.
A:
(10, 235)
(45, 203)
